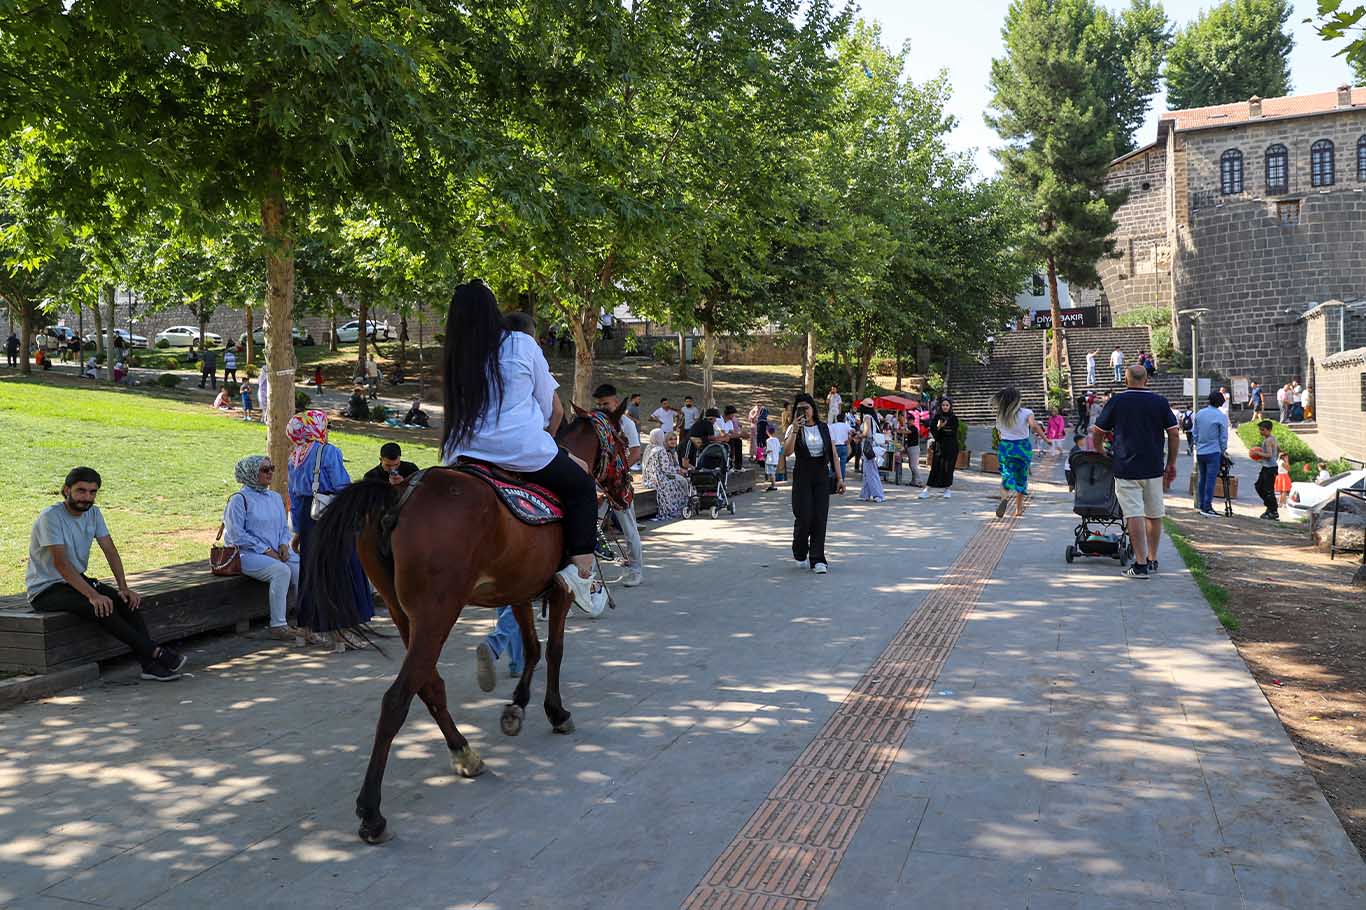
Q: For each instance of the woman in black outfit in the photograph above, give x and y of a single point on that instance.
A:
(816, 471)
(944, 431)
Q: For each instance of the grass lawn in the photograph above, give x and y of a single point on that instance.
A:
(167, 468)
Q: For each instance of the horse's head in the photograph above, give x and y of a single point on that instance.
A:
(596, 438)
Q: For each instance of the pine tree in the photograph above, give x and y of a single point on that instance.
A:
(1049, 107)
(1238, 49)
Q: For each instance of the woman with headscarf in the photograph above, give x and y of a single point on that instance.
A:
(315, 466)
(662, 475)
(944, 433)
(254, 522)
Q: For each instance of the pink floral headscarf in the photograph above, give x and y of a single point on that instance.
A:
(303, 430)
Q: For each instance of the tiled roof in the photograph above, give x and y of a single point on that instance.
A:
(1238, 112)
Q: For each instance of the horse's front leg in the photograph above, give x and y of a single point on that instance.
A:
(554, 708)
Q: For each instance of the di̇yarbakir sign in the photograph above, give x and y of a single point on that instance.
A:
(1082, 317)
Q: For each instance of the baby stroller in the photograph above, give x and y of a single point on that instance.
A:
(708, 481)
(1102, 531)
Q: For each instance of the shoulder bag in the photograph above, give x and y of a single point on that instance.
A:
(225, 559)
(320, 500)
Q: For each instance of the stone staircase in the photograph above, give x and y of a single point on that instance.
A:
(1016, 360)
(1131, 340)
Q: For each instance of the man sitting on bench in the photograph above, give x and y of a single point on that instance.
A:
(58, 553)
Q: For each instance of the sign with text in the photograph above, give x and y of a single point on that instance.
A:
(1242, 392)
(1186, 387)
(1075, 318)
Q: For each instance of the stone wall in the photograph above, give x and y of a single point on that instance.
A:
(1338, 377)
(1139, 275)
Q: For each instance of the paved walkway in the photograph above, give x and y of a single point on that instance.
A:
(952, 718)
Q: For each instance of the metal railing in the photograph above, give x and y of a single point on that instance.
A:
(1333, 548)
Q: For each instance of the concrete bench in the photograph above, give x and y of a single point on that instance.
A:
(177, 601)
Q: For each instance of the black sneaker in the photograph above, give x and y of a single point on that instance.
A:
(171, 660)
(1152, 567)
(1137, 571)
(157, 673)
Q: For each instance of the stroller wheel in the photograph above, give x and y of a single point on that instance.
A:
(715, 511)
(1124, 557)
(1070, 553)
(689, 511)
(730, 507)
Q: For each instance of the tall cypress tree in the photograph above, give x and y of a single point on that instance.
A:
(1049, 106)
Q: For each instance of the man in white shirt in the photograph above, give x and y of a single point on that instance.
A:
(372, 376)
(1091, 367)
(665, 416)
(605, 399)
(1117, 363)
(833, 403)
(690, 412)
(839, 437)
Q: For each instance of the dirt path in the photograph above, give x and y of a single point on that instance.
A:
(1302, 632)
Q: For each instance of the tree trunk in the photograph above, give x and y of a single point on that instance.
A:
(203, 329)
(682, 356)
(25, 336)
(809, 364)
(584, 325)
(897, 367)
(111, 324)
(332, 338)
(1055, 308)
(708, 365)
(362, 334)
(421, 376)
(279, 366)
(99, 326)
(403, 339)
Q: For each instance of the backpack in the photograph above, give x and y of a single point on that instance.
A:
(1187, 424)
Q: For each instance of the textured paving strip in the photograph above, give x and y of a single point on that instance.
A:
(786, 854)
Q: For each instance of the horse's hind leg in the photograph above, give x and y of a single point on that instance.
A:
(465, 761)
(511, 721)
(554, 709)
(419, 666)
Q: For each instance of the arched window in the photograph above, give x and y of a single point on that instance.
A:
(1231, 172)
(1361, 158)
(1277, 169)
(1321, 163)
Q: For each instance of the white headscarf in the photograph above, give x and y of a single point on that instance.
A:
(657, 437)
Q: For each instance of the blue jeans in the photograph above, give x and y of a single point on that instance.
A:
(506, 634)
(842, 453)
(1209, 472)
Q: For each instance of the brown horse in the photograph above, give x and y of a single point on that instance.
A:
(454, 544)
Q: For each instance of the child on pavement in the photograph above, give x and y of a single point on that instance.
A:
(1267, 477)
(1283, 479)
(773, 453)
(1055, 431)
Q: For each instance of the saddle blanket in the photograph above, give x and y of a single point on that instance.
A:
(531, 504)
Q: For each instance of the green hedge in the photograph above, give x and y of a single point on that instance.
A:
(1157, 318)
(1304, 463)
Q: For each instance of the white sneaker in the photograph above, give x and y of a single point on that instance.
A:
(924, 494)
(820, 568)
(947, 493)
(590, 601)
(801, 563)
(631, 579)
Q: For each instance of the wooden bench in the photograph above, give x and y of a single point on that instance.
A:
(177, 601)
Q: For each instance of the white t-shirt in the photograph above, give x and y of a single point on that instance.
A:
(724, 426)
(1019, 429)
(773, 451)
(665, 418)
(815, 446)
(58, 527)
(628, 427)
(1090, 361)
(512, 432)
(1116, 358)
(834, 402)
(690, 415)
(839, 433)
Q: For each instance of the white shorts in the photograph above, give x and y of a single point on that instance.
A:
(1140, 497)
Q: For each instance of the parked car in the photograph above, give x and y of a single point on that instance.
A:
(350, 332)
(180, 336)
(258, 337)
(63, 332)
(1307, 496)
(139, 341)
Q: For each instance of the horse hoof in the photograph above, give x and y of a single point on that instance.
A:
(511, 721)
(376, 832)
(566, 726)
(467, 763)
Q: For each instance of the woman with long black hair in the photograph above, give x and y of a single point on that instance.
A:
(501, 408)
(816, 468)
(944, 433)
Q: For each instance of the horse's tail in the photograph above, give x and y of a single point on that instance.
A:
(326, 573)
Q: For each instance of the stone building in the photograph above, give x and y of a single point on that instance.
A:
(1255, 211)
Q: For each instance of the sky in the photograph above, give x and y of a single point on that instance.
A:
(962, 36)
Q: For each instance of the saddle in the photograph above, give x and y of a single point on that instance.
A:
(529, 503)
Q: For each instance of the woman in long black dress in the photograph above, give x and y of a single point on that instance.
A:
(944, 431)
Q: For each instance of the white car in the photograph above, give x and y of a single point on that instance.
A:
(181, 336)
(139, 341)
(350, 332)
(258, 336)
(1306, 497)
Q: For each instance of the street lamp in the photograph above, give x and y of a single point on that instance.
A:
(1194, 314)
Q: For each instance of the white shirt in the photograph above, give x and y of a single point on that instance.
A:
(839, 433)
(835, 401)
(628, 427)
(665, 418)
(512, 432)
(725, 426)
(690, 415)
(815, 446)
(1090, 361)
(773, 451)
(1116, 358)
(1019, 429)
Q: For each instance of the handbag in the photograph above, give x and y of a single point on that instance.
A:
(320, 500)
(225, 559)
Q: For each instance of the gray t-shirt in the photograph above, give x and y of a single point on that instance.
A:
(57, 526)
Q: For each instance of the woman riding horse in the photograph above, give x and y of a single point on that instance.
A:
(448, 541)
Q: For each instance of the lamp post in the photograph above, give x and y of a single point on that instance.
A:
(1194, 315)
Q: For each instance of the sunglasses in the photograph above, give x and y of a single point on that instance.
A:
(267, 469)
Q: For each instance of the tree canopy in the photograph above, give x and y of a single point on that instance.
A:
(1231, 52)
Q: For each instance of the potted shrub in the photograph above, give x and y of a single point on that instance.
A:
(964, 453)
(991, 462)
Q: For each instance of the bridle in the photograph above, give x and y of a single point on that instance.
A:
(610, 469)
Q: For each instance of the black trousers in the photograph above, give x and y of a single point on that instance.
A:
(124, 624)
(579, 496)
(210, 376)
(1266, 488)
(230, 374)
(811, 509)
(737, 454)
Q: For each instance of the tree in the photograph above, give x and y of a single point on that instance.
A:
(1334, 23)
(1237, 49)
(1129, 49)
(1049, 107)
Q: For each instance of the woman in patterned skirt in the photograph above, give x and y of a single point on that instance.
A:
(661, 474)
